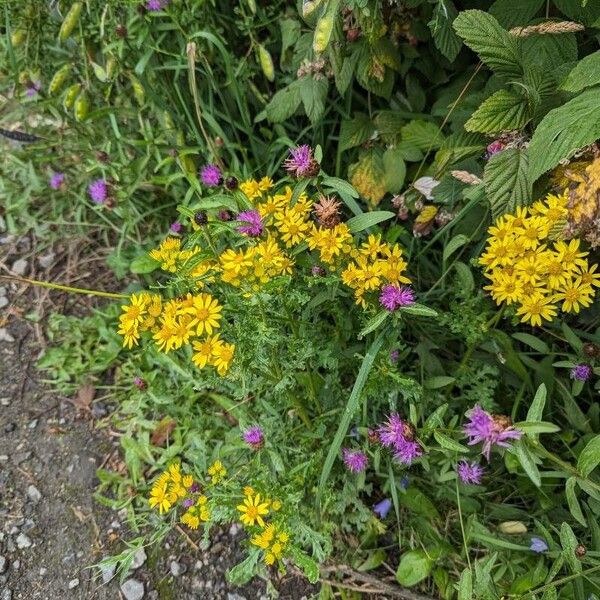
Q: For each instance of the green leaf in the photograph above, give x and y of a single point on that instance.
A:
(242, 573)
(465, 585)
(216, 201)
(418, 310)
(374, 323)
(589, 458)
(444, 36)
(495, 46)
(569, 542)
(527, 462)
(313, 93)
(582, 12)
(309, 566)
(355, 132)
(511, 13)
(458, 241)
(422, 134)
(563, 131)
(417, 502)
(573, 501)
(536, 410)
(341, 186)
(535, 427)
(284, 103)
(506, 180)
(502, 111)
(414, 566)
(585, 74)
(533, 342)
(437, 382)
(448, 443)
(366, 220)
(144, 264)
(394, 169)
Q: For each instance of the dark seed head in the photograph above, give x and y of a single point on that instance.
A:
(121, 30)
(224, 215)
(231, 183)
(200, 218)
(591, 350)
(580, 551)
(102, 156)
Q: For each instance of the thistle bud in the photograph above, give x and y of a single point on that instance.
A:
(231, 183)
(200, 218)
(121, 31)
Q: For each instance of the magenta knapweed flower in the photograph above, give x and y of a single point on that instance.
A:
(381, 509)
(139, 383)
(489, 429)
(469, 472)
(301, 162)
(393, 297)
(398, 435)
(98, 191)
(493, 148)
(538, 545)
(57, 180)
(355, 460)
(252, 223)
(406, 452)
(211, 175)
(254, 437)
(317, 271)
(188, 502)
(582, 372)
(394, 356)
(176, 227)
(155, 5)
(33, 89)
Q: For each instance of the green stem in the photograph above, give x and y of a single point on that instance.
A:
(65, 288)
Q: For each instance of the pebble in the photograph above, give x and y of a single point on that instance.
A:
(43, 571)
(34, 494)
(6, 594)
(73, 584)
(33, 424)
(139, 558)
(5, 336)
(107, 571)
(132, 589)
(176, 568)
(231, 596)
(19, 266)
(234, 529)
(3, 457)
(23, 541)
(10, 427)
(3, 301)
(5, 401)
(46, 260)
(16, 565)
(3, 564)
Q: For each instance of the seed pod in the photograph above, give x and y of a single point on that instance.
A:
(323, 33)
(58, 79)
(266, 62)
(111, 64)
(17, 38)
(24, 78)
(252, 6)
(70, 95)
(82, 107)
(138, 89)
(70, 21)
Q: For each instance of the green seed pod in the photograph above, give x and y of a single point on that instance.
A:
(70, 21)
(138, 89)
(82, 107)
(70, 95)
(323, 33)
(59, 78)
(111, 65)
(252, 6)
(17, 38)
(266, 62)
(24, 77)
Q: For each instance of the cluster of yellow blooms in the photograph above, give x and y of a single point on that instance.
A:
(527, 268)
(177, 322)
(271, 538)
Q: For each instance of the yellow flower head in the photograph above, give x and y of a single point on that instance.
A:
(253, 510)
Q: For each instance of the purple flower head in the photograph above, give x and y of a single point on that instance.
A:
(355, 460)
(224, 215)
(188, 502)
(195, 487)
(381, 509)
(139, 383)
(176, 227)
(407, 451)
(395, 296)
(354, 433)
(392, 433)
(404, 482)
(538, 545)
(252, 223)
(469, 472)
(98, 191)
(155, 5)
(211, 175)
(394, 356)
(301, 162)
(493, 148)
(57, 180)
(33, 89)
(581, 372)
(489, 429)
(254, 437)
(317, 271)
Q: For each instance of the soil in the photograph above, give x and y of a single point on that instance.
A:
(52, 531)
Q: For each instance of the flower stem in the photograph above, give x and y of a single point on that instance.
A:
(65, 288)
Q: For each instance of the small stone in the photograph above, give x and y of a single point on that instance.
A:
(5, 336)
(19, 266)
(6, 594)
(23, 541)
(34, 494)
(107, 571)
(73, 584)
(176, 568)
(46, 260)
(234, 529)
(99, 410)
(3, 301)
(3, 457)
(5, 401)
(3, 564)
(153, 595)
(16, 565)
(33, 424)
(133, 589)
(10, 427)
(231, 596)
(43, 571)
(139, 558)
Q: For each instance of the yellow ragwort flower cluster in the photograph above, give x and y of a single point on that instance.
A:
(530, 269)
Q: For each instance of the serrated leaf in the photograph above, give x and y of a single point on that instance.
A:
(355, 132)
(586, 13)
(423, 135)
(243, 572)
(506, 180)
(585, 74)
(589, 458)
(494, 45)
(458, 241)
(309, 566)
(444, 36)
(502, 111)
(143, 264)
(313, 93)
(394, 170)
(563, 131)
(284, 103)
(366, 220)
(418, 310)
(515, 12)
(573, 502)
(414, 566)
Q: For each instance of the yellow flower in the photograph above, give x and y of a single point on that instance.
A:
(206, 313)
(292, 227)
(253, 511)
(175, 472)
(248, 491)
(569, 255)
(575, 295)
(167, 254)
(159, 497)
(589, 276)
(187, 481)
(251, 188)
(504, 287)
(373, 246)
(217, 471)
(533, 230)
(222, 357)
(204, 351)
(275, 505)
(536, 307)
(130, 334)
(265, 184)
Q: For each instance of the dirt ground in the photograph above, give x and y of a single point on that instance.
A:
(51, 529)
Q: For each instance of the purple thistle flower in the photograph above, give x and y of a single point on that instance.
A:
(394, 356)
(582, 372)
(381, 509)
(254, 437)
(489, 429)
(317, 271)
(139, 383)
(538, 545)
(224, 215)
(301, 162)
(188, 502)
(395, 296)
(98, 191)
(391, 433)
(252, 223)
(355, 460)
(176, 227)
(211, 175)
(156, 5)
(195, 487)
(57, 180)
(33, 89)
(493, 148)
(407, 451)
(469, 472)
